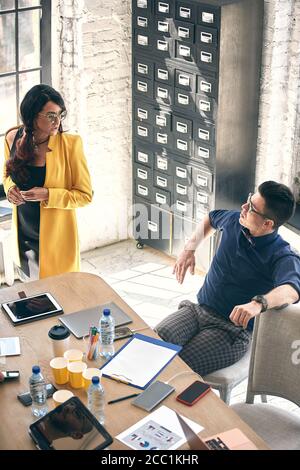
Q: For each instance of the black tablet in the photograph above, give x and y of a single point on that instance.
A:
(32, 308)
(70, 426)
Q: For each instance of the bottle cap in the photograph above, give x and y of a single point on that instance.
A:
(106, 311)
(36, 369)
(95, 380)
(58, 332)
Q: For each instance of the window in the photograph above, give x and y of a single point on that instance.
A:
(25, 55)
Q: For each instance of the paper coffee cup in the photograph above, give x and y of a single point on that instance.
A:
(60, 396)
(88, 374)
(76, 369)
(59, 336)
(59, 369)
(73, 355)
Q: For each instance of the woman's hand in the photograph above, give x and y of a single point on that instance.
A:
(14, 196)
(35, 194)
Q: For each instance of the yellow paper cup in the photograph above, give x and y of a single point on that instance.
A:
(61, 395)
(88, 374)
(73, 355)
(75, 373)
(60, 370)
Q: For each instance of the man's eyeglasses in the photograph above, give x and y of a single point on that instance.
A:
(251, 208)
(53, 117)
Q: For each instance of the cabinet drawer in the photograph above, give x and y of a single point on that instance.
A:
(143, 40)
(162, 119)
(143, 155)
(206, 106)
(202, 198)
(142, 6)
(185, 80)
(162, 180)
(142, 189)
(162, 137)
(143, 174)
(184, 31)
(182, 207)
(182, 173)
(163, 47)
(204, 132)
(200, 212)
(185, 52)
(164, 73)
(144, 67)
(186, 11)
(202, 179)
(183, 146)
(143, 87)
(143, 131)
(162, 162)
(162, 198)
(184, 100)
(208, 16)
(204, 153)
(143, 112)
(206, 35)
(207, 57)
(163, 94)
(163, 26)
(164, 8)
(207, 85)
(182, 127)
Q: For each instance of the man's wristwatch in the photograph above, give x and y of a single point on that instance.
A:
(261, 300)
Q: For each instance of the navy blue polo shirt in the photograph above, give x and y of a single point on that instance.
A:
(245, 266)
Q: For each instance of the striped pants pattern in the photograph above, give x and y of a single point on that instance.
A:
(210, 341)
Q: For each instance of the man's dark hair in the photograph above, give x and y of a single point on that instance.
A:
(280, 202)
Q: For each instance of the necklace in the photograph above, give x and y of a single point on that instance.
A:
(37, 144)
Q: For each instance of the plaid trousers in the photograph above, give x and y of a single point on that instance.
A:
(210, 341)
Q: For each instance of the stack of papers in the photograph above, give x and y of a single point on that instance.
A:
(10, 346)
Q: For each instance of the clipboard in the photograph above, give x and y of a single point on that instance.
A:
(140, 360)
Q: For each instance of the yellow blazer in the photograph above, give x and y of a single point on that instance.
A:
(69, 184)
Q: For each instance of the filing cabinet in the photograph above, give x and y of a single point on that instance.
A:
(195, 75)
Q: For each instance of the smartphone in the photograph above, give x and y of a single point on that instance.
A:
(193, 393)
(25, 397)
(123, 332)
(153, 395)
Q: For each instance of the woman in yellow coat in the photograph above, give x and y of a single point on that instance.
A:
(45, 178)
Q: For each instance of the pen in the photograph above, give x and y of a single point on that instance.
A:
(122, 398)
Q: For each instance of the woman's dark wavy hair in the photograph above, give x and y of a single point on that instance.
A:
(34, 101)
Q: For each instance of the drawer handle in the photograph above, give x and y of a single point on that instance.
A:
(142, 157)
(162, 163)
(160, 198)
(203, 134)
(142, 113)
(163, 26)
(208, 17)
(182, 145)
(184, 51)
(206, 37)
(184, 12)
(161, 121)
(183, 79)
(181, 172)
(142, 86)
(181, 127)
(181, 189)
(183, 99)
(143, 190)
(162, 138)
(163, 182)
(163, 7)
(142, 174)
(142, 131)
(142, 68)
(203, 153)
(200, 213)
(142, 3)
(183, 32)
(142, 40)
(181, 206)
(202, 180)
(206, 57)
(205, 86)
(163, 74)
(162, 45)
(162, 93)
(202, 197)
(204, 105)
(152, 226)
(142, 22)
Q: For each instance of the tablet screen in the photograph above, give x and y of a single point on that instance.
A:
(32, 307)
(70, 427)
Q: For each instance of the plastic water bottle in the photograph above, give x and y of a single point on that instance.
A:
(38, 392)
(106, 334)
(96, 399)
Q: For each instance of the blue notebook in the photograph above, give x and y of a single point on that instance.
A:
(140, 360)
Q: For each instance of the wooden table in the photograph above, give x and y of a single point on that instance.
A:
(75, 291)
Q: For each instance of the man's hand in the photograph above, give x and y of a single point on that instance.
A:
(35, 194)
(185, 260)
(241, 314)
(14, 196)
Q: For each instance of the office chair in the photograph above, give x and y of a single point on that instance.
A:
(274, 370)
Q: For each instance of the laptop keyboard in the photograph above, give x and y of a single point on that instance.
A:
(216, 444)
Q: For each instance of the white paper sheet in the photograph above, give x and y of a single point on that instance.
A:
(10, 346)
(159, 430)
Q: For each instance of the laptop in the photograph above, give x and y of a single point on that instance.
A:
(234, 439)
(79, 322)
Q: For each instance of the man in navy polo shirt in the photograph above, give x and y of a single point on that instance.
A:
(253, 269)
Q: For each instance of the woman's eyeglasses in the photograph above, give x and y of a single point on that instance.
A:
(251, 208)
(53, 117)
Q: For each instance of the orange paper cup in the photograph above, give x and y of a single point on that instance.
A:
(59, 369)
(75, 373)
(88, 374)
(73, 355)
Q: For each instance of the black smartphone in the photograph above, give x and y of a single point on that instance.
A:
(25, 397)
(193, 393)
(123, 332)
